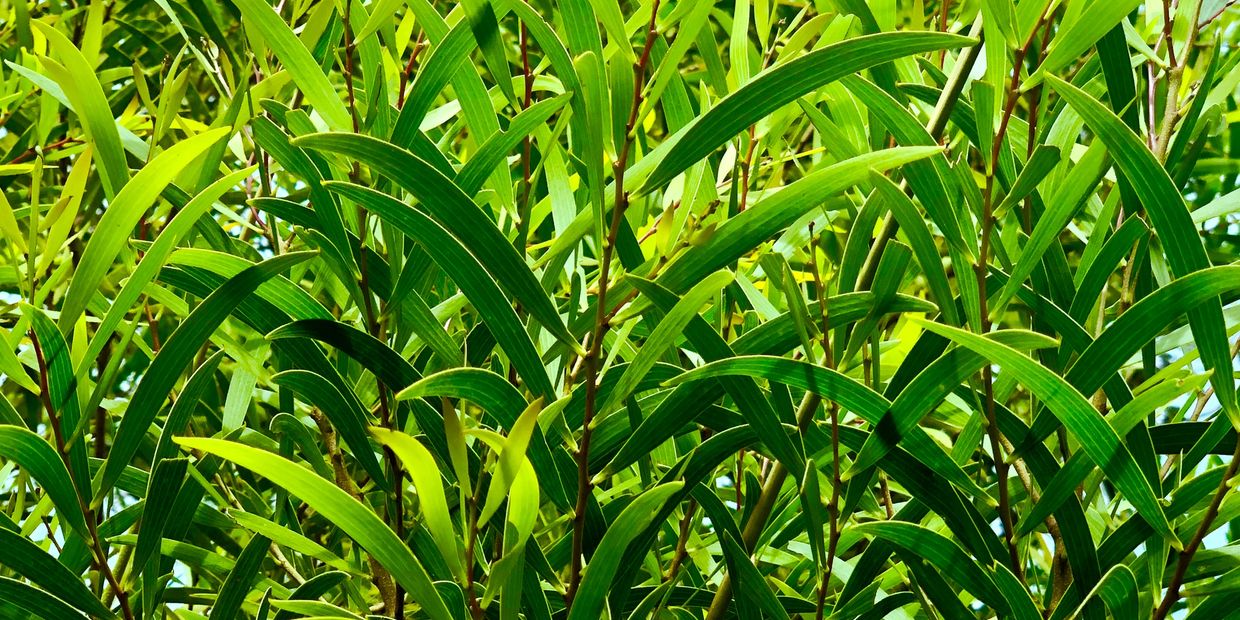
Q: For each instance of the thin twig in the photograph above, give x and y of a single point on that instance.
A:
(601, 322)
(99, 556)
(1186, 556)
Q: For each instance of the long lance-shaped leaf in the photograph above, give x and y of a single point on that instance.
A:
(178, 351)
(741, 234)
(840, 388)
(1089, 27)
(1064, 203)
(62, 392)
(35, 602)
(1119, 589)
(300, 64)
(665, 335)
(241, 578)
(346, 416)
(162, 489)
(1073, 473)
(122, 215)
(1140, 324)
(336, 506)
(82, 87)
(942, 553)
(286, 537)
(1097, 437)
(388, 365)
(752, 403)
(478, 385)
(153, 259)
(433, 75)
(784, 84)
(424, 472)
(511, 460)
(929, 178)
(464, 268)
(775, 337)
(924, 248)
(497, 397)
(751, 586)
(927, 389)
(457, 213)
(1173, 224)
(596, 580)
(30, 561)
(39, 459)
(483, 163)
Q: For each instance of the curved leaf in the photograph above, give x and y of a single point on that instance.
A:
(355, 519)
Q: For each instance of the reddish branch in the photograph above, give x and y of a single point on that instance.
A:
(601, 321)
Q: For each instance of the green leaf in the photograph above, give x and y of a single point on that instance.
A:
(35, 602)
(1073, 473)
(749, 583)
(842, 389)
(1118, 588)
(286, 537)
(1174, 226)
(30, 561)
(424, 472)
(78, 79)
(665, 335)
(162, 490)
(240, 578)
(297, 60)
(1097, 438)
(468, 274)
(741, 234)
(511, 458)
(154, 258)
(346, 416)
(1041, 163)
(1072, 41)
(335, 505)
(943, 554)
(782, 85)
(172, 359)
(456, 212)
(596, 580)
(39, 459)
(480, 386)
(123, 215)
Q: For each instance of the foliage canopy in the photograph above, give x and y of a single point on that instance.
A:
(626, 309)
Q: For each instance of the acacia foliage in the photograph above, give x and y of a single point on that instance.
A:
(578, 309)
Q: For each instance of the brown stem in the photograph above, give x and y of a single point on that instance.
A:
(601, 321)
(981, 268)
(748, 161)
(833, 506)
(378, 574)
(99, 556)
(101, 414)
(348, 63)
(523, 215)
(32, 151)
(682, 540)
(1186, 556)
(809, 403)
(944, 10)
(404, 75)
